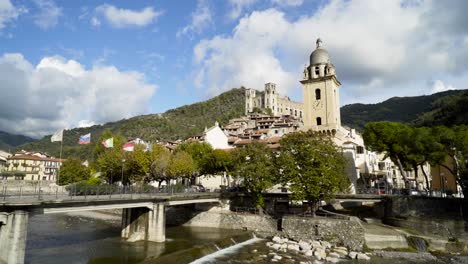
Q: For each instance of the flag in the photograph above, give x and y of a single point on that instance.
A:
(108, 143)
(85, 139)
(57, 136)
(130, 146)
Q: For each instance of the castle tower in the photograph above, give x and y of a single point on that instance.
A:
(321, 93)
(249, 100)
(271, 97)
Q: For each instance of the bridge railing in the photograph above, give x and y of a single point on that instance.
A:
(76, 191)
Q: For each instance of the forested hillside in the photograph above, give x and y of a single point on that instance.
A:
(445, 108)
(178, 123)
(9, 141)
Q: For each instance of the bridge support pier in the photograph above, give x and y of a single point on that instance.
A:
(13, 231)
(144, 223)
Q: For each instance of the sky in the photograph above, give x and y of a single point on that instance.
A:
(66, 64)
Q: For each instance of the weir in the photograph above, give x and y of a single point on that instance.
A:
(142, 219)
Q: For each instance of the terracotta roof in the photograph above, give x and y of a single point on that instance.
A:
(243, 142)
(274, 146)
(231, 127)
(31, 157)
(263, 131)
(232, 139)
(274, 140)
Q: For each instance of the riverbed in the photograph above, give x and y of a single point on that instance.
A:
(94, 238)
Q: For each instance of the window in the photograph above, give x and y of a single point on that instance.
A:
(317, 94)
(317, 70)
(360, 149)
(295, 112)
(319, 121)
(300, 113)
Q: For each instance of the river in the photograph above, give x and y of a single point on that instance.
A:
(94, 238)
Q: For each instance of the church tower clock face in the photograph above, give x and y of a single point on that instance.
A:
(317, 105)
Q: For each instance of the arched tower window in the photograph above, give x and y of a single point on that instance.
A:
(319, 121)
(295, 112)
(317, 70)
(317, 94)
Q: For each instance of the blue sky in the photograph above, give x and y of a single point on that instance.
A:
(65, 64)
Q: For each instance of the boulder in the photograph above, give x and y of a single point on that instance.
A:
(340, 252)
(277, 239)
(352, 255)
(334, 255)
(276, 246)
(304, 246)
(294, 247)
(278, 257)
(320, 254)
(362, 256)
(315, 244)
(325, 244)
(309, 253)
(332, 260)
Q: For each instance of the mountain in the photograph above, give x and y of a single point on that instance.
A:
(8, 141)
(444, 108)
(178, 123)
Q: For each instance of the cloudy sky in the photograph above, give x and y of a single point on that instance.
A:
(65, 64)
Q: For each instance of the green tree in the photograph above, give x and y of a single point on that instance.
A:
(160, 159)
(73, 171)
(312, 166)
(200, 153)
(181, 165)
(254, 165)
(386, 137)
(137, 164)
(219, 161)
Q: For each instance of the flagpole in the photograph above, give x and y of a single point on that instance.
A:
(60, 160)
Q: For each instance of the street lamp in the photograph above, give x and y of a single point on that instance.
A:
(123, 163)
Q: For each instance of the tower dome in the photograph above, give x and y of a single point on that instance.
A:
(319, 55)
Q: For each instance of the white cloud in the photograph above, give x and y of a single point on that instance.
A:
(9, 13)
(48, 15)
(200, 19)
(95, 22)
(120, 18)
(238, 6)
(59, 93)
(288, 2)
(439, 86)
(396, 54)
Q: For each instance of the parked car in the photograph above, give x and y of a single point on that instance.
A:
(198, 188)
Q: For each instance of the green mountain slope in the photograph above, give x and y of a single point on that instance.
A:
(178, 123)
(416, 110)
(8, 141)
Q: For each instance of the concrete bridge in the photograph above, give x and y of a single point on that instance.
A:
(143, 216)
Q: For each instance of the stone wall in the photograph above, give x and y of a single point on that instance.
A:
(348, 233)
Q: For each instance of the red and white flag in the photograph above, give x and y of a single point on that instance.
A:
(130, 146)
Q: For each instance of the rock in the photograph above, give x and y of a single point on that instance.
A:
(340, 252)
(325, 244)
(293, 247)
(254, 251)
(320, 254)
(334, 255)
(318, 262)
(309, 253)
(332, 260)
(277, 239)
(278, 257)
(352, 255)
(304, 246)
(274, 260)
(263, 256)
(269, 244)
(315, 244)
(362, 256)
(284, 245)
(341, 248)
(276, 246)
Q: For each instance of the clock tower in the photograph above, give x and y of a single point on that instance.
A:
(321, 93)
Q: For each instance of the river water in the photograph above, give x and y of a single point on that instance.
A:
(94, 238)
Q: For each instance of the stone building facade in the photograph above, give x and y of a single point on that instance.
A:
(270, 99)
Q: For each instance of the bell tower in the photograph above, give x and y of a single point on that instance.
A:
(321, 93)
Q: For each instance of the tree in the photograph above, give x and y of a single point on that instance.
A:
(137, 164)
(454, 144)
(386, 137)
(254, 165)
(312, 166)
(200, 152)
(73, 171)
(219, 161)
(159, 158)
(181, 165)
(109, 160)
